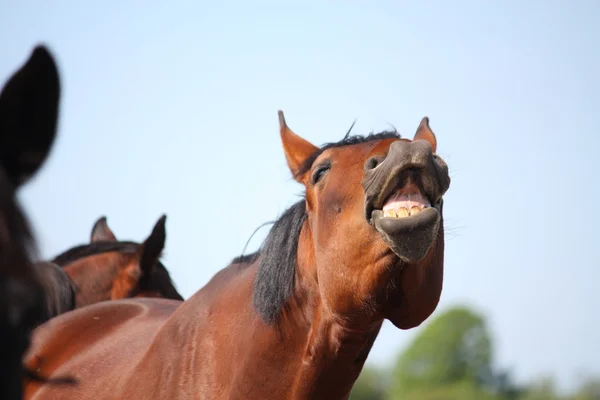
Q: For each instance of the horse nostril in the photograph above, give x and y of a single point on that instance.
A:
(373, 162)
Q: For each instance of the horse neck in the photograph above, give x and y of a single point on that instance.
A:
(332, 357)
(307, 353)
(335, 349)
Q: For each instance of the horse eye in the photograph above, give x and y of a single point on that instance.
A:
(320, 172)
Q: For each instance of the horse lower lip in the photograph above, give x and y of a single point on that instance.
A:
(411, 237)
(409, 223)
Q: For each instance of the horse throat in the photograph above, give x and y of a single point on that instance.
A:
(329, 352)
(333, 358)
(331, 349)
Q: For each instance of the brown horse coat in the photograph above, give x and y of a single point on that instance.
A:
(296, 320)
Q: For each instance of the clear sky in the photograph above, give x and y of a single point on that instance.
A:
(173, 109)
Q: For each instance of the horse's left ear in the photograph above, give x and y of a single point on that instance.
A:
(153, 246)
(28, 116)
(297, 150)
(101, 232)
(424, 132)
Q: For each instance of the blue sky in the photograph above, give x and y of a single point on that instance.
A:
(173, 109)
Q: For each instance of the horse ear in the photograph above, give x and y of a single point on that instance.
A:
(28, 116)
(424, 132)
(153, 246)
(101, 232)
(297, 150)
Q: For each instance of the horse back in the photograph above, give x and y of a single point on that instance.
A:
(94, 341)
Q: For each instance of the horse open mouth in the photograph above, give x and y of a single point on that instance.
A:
(405, 202)
(405, 216)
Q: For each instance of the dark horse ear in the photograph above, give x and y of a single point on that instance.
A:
(101, 232)
(28, 116)
(153, 246)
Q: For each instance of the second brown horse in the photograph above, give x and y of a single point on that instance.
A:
(106, 269)
(296, 320)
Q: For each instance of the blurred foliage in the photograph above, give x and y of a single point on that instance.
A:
(453, 348)
(452, 359)
(370, 385)
(589, 389)
(542, 389)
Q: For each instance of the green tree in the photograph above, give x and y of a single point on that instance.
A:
(370, 385)
(452, 354)
(456, 391)
(545, 389)
(588, 390)
(541, 389)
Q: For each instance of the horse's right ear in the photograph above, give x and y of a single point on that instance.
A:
(424, 132)
(101, 232)
(28, 116)
(153, 246)
(297, 150)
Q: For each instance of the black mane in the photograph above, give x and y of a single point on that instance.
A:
(246, 258)
(275, 280)
(92, 249)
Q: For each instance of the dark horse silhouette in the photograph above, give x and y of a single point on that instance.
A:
(297, 319)
(29, 108)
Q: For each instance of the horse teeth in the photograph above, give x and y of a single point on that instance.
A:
(415, 210)
(403, 212)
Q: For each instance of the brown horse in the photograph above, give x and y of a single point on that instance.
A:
(109, 269)
(297, 319)
(29, 108)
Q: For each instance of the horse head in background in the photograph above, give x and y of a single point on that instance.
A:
(111, 269)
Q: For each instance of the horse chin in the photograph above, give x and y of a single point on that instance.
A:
(410, 238)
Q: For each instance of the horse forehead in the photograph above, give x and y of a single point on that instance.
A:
(357, 154)
(382, 146)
